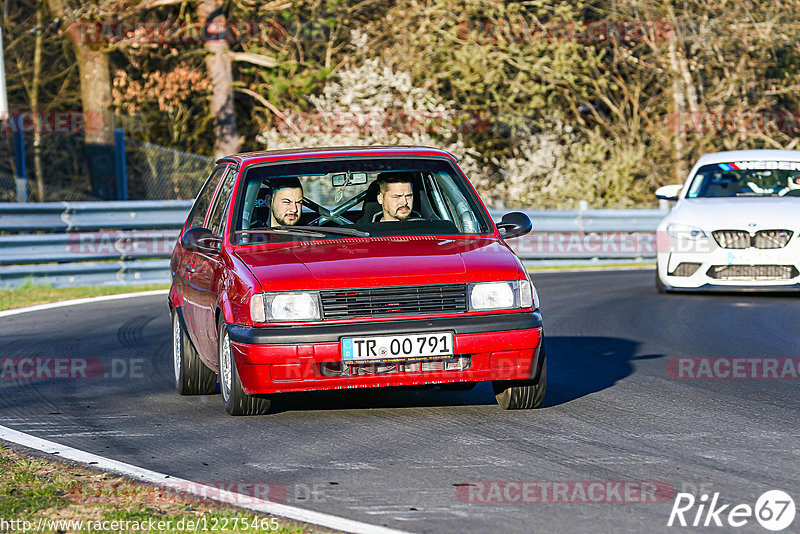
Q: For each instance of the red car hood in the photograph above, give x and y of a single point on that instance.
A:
(389, 261)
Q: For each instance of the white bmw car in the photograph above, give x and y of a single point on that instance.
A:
(735, 226)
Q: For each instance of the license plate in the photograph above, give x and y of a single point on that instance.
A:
(750, 257)
(406, 347)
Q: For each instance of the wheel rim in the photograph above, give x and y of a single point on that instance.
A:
(225, 378)
(176, 347)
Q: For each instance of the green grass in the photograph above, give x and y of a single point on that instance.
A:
(21, 491)
(32, 489)
(30, 294)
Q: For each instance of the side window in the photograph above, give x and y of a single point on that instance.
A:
(219, 208)
(200, 207)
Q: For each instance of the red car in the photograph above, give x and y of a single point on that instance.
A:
(352, 267)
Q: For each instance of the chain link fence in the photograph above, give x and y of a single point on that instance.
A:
(160, 173)
(59, 170)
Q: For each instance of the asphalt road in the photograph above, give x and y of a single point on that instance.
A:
(615, 412)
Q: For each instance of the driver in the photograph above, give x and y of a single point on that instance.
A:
(287, 201)
(792, 185)
(396, 197)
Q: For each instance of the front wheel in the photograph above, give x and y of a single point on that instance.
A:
(192, 377)
(237, 402)
(522, 395)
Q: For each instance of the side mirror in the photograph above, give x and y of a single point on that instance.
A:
(514, 224)
(201, 240)
(669, 192)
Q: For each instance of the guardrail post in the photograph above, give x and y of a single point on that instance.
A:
(20, 170)
(120, 167)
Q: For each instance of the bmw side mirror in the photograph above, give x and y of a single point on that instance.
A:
(201, 240)
(669, 192)
(514, 224)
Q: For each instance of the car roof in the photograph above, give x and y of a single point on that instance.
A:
(301, 153)
(749, 155)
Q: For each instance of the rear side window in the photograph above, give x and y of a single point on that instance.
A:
(219, 208)
(200, 208)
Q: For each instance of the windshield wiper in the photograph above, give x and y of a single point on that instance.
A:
(281, 230)
(308, 231)
(332, 230)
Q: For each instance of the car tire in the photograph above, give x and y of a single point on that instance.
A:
(522, 395)
(237, 402)
(192, 377)
(660, 287)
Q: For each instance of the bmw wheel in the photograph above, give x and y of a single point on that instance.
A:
(192, 377)
(237, 402)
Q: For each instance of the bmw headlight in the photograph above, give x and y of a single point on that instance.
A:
(285, 306)
(502, 295)
(684, 231)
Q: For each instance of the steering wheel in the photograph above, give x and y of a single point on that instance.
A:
(335, 214)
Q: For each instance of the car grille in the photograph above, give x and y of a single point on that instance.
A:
(752, 272)
(338, 369)
(685, 269)
(732, 238)
(743, 239)
(409, 300)
(772, 238)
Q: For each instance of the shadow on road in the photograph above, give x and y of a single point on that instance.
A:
(581, 365)
(577, 366)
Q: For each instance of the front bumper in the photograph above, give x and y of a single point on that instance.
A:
(744, 260)
(305, 358)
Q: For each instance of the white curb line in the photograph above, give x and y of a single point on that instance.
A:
(193, 488)
(87, 300)
(166, 481)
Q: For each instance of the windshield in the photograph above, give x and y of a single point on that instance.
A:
(746, 179)
(355, 197)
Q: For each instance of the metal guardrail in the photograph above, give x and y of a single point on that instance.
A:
(88, 243)
(574, 237)
(121, 243)
(87, 216)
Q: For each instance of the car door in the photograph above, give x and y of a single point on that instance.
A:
(184, 266)
(207, 271)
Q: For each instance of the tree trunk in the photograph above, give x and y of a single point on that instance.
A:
(679, 114)
(37, 123)
(684, 95)
(95, 78)
(219, 65)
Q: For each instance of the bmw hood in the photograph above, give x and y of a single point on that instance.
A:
(745, 213)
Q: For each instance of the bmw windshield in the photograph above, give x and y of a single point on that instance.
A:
(746, 179)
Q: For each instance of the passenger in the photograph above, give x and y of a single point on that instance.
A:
(396, 197)
(287, 201)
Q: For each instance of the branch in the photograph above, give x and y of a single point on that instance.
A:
(267, 104)
(255, 59)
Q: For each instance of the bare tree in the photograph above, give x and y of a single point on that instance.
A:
(219, 65)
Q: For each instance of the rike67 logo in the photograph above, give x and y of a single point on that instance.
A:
(774, 510)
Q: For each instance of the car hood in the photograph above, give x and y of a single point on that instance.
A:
(738, 213)
(380, 262)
